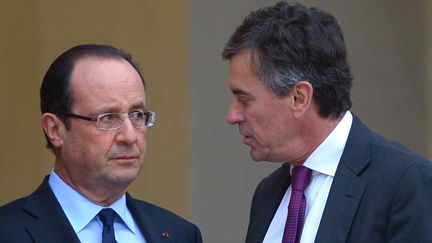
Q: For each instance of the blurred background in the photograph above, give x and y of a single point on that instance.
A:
(196, 164)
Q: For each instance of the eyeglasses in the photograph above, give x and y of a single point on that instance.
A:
(112, 121)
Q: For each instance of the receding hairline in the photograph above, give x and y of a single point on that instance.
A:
(96, 57)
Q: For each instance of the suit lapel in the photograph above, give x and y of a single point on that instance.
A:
(347, 188)
(262, 215)
(152, 230)
(50, 223)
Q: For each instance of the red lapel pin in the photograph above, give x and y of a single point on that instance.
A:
(165, 234)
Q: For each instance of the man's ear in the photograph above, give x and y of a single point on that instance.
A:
(54, 129)
(302, 93)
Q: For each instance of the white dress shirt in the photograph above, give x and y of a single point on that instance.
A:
(323, 162)
(82, 214)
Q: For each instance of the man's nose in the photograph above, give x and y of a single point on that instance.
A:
(234, 113)
(127, 133)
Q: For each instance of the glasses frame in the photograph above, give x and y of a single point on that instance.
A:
(150, 121)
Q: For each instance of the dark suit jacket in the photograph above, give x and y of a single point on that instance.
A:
(381, 192)
(39, 218)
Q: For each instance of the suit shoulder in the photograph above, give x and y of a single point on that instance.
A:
(387, 150)
(392, 162)
(12, 209)
(184, 230)
(158, 212)
(13, 220)
(382, 150)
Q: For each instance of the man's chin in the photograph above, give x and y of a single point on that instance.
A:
(258, 157)
(125, 177)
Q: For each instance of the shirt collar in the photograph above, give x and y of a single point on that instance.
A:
(325, 158)
(80, 210)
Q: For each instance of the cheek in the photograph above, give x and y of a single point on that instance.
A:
(142, 142)
(268, 131)
(264, 135)
(96, 144)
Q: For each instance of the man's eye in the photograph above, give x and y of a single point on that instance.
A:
(244, 100)
(107, 117)
(138, 115)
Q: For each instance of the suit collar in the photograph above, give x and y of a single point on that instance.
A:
(268, 203)
(357, 150)
(49, 222)
(347, 188)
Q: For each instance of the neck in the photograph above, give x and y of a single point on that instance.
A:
(316, 129)
(101, 197)
(98, 194)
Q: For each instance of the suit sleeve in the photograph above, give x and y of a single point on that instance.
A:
(411, 214)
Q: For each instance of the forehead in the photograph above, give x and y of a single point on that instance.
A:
(242, 75)
(99, 82)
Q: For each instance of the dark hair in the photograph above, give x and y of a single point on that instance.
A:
(55, 92)
(290, 43)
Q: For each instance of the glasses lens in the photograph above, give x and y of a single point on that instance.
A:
(150, 118)
(109, 121)
(138, 118)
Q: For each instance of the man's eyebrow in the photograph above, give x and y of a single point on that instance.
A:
(239, 92)
(138, 106)
(117, 109)
(106, 109)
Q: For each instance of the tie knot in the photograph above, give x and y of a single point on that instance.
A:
(107, 216)
(300, 178)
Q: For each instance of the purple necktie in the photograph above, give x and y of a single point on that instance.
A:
(297, 206)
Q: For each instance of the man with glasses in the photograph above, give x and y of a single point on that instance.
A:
(95, 119)
(338, 181)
